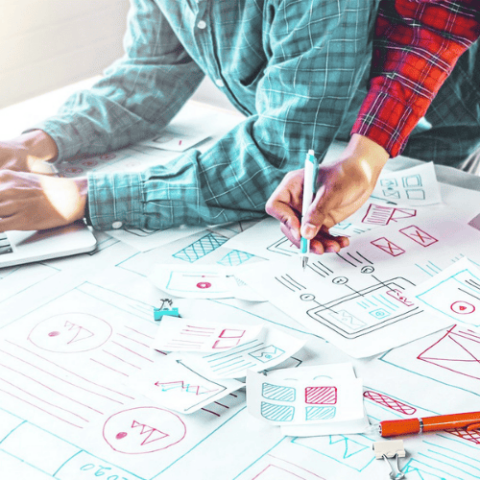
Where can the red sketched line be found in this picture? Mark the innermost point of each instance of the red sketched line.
(59, 378)
(140, 333)
(44, 401)
(76, 375)
(470, 436)
(122, 360)
(36, 406)
(110, 368)
(51, 389)
(389, 402)
(133, 340)
(132, 351)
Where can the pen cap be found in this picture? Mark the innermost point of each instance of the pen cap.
(392, 428)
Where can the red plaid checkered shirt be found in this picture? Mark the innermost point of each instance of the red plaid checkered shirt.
(416, 46)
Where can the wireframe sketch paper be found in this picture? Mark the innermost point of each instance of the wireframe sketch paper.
(357, 298)
(452, 293)
(144, 240)
(269, 350)
(177, 138)
(201, 281)
(329, 397)
(178, 334)
(171, 384)
(414, 186)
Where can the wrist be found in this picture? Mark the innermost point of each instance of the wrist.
(367, 154)
(39, 147)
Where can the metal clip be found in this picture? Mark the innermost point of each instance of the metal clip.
(391, 449)
(165, 309)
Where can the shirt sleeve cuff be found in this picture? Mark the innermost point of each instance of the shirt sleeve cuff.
(115, 200)
(387, 121)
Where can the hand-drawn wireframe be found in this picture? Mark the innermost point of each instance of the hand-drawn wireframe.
(271, 467)
(457, 296)
(472, 436)
(415, 194)
(321, 395)
(457, 350)
(382, 215)
(412, 181)
(355, 452)
(235, 258)
(384, 301)
(319, 413)
(418, 235)
(389, 402)
(277, 413)
(143, 430)
(283, 246)
(71, 333)
(388, 246)
(267, 353)
(278, 392)
(201, 247)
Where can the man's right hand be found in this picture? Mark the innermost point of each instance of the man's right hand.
(29, 152)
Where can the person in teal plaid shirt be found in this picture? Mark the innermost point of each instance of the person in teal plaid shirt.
(301, 72)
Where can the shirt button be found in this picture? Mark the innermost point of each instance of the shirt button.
(219, 83)
(116, 225)
(202, 24)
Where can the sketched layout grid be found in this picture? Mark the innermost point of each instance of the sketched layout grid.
(201, 247)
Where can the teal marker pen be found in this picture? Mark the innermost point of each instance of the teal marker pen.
(309, 180)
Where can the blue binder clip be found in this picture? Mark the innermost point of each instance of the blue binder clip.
(165, 309)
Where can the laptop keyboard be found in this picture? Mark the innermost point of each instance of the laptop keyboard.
(5, 246)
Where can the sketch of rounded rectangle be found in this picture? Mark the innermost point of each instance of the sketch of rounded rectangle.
(225, 343)
(412, 181)
(388, 182)
(415, 194)
(283, 247)
(232, 333)
(389, 193)
(321, 395)
(279, 393)
(277, 413)
(323, 313)
(313, 414)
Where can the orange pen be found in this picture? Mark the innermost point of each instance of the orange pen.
(392, 428)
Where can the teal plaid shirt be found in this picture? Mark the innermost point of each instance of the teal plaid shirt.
(292, 67)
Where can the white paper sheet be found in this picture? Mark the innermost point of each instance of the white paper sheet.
(270, 350)
(327, 398)
(144, 240)
(171, 384)
(189, 335)
(356, 299)
(413, 186)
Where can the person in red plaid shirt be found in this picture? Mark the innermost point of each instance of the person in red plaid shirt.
(416, 47)
(299, 71)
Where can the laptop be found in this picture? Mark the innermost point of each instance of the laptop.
(17, 247)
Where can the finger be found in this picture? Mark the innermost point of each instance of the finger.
(14, 222)
(7, 209)
(288, 233)
(287, 215)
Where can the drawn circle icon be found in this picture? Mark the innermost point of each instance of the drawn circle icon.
(307, 297)
(204, 285)
(367, 269)
(340, 280)
(70, 333)
(143, 430)
(461, 307)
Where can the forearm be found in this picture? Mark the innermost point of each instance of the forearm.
(416, 46)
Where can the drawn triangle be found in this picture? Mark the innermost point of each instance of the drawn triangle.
(453, 348)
